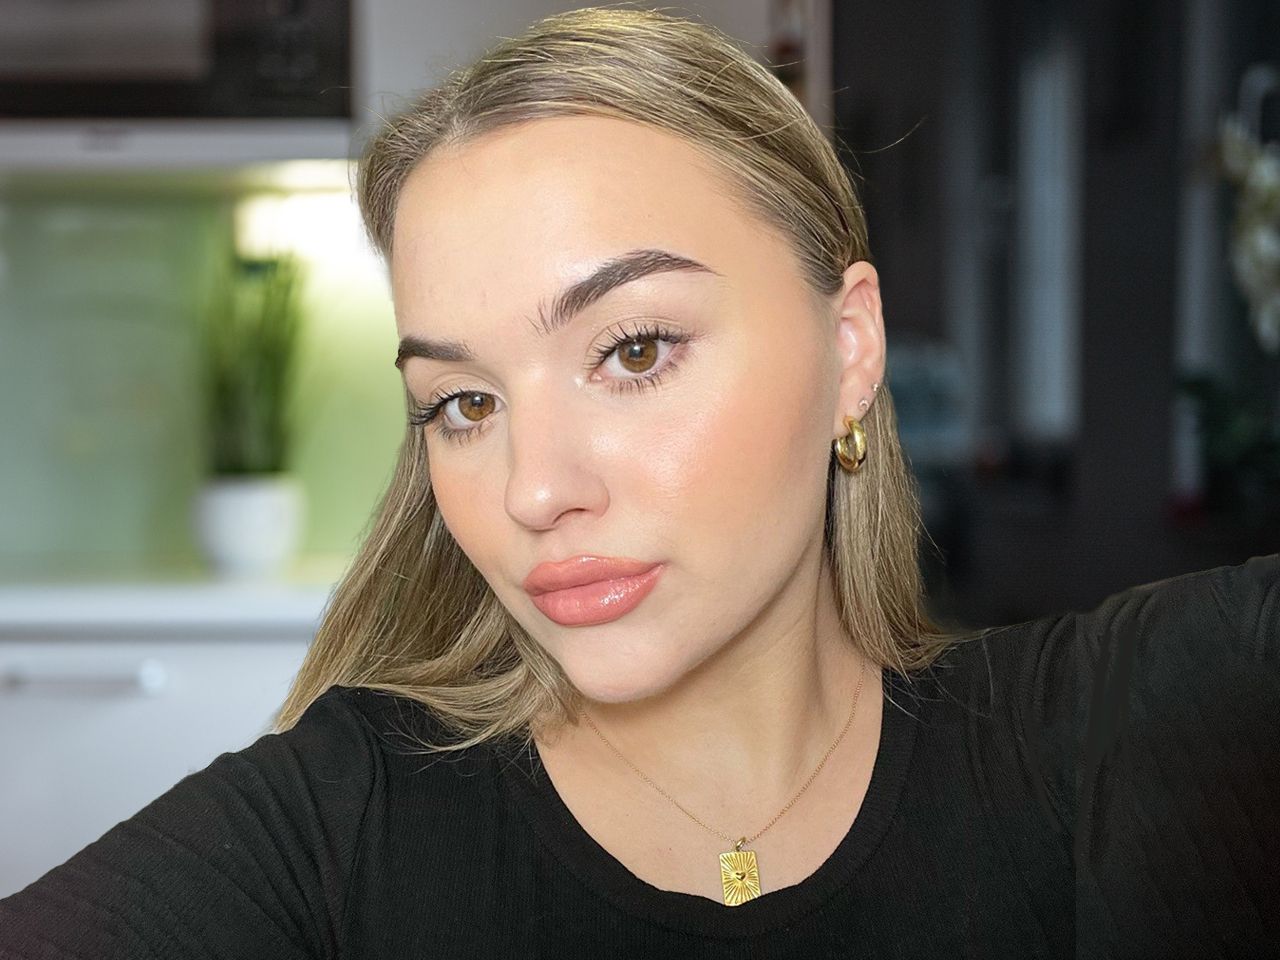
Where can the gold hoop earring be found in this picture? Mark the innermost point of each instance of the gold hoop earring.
(849, 459)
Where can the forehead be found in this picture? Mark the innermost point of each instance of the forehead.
(531, 207)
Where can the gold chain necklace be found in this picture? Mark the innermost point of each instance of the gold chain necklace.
(739, 871)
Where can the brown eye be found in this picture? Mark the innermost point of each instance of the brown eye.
(639, 355)
(479, 404)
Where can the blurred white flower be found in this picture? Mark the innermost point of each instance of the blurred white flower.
(1262, 182)
(1263, 242)
(1238, 147)
(1254, 168)
(1255, 260)
(1266, 323)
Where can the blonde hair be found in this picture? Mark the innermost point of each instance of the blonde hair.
(412, 616)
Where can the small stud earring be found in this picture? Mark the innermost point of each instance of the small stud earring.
(864, 402)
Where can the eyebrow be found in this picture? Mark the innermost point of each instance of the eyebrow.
(568, 303)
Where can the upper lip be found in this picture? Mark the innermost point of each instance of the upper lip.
(585, 568)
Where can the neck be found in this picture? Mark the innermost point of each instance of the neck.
(740, 734)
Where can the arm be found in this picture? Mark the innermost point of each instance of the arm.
(246, 858)
(1178, 765)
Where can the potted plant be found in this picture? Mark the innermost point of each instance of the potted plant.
(1240, 447)
(1251, 163)
(1239, 418)
(249, 511)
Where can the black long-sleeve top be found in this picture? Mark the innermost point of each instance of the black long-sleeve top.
(1101, 783)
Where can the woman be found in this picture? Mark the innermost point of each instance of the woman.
(634, 658)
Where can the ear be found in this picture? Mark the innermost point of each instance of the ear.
(860, 343)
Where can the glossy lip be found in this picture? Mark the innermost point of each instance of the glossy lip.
(598, 602)
(581, 570)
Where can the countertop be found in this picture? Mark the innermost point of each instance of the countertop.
(161, 607)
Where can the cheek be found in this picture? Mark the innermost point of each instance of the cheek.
(466, 493)
(740, 464)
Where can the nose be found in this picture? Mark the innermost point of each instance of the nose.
(552, 468)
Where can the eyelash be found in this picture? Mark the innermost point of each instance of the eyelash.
(426, 414)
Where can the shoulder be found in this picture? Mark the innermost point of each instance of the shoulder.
(334, 724)
(410, 738)
(1194, 655)
(1236, 606)
(249, 856)
(1177, 764)
(324, 765)
(1142, 650)
(1200, 650)
(1147, 637)
(306, 788)
(1150, 720)
(329, 756)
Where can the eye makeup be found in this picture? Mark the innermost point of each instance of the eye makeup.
(429, 413)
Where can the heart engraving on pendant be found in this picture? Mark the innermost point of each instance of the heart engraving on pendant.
(740, 875)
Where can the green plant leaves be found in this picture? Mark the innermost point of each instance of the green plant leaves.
(249, 349)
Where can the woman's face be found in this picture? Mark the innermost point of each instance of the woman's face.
(682, 418)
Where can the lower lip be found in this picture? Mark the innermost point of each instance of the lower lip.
(598, 602)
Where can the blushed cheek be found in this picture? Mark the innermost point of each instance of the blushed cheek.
(728, 474)
(467, 502)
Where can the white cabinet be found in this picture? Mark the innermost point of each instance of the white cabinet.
(107, 705)
(43, 146)
(398, 47)
(403, 46)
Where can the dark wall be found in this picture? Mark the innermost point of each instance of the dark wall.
(888, 78)
(1031, 530)
(1131, 186)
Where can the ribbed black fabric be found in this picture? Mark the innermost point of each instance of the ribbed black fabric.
(1094, 784)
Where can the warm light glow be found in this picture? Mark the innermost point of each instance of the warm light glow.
(321, 226)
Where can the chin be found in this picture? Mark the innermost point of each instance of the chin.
(606, 680)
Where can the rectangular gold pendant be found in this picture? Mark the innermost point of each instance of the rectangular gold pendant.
(740, 875)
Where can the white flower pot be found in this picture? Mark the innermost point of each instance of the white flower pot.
(248, 526)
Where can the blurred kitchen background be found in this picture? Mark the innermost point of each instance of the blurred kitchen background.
(1074, 210)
